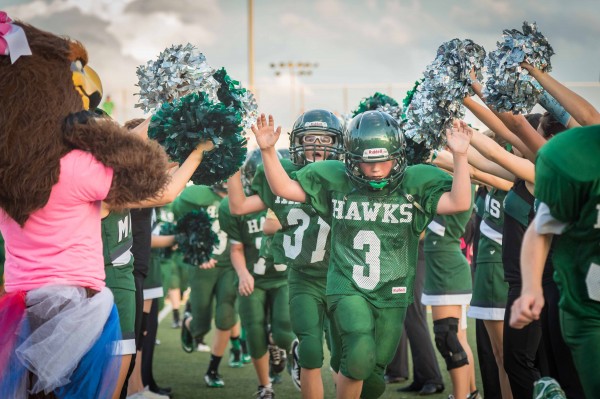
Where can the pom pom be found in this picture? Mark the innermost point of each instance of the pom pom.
(509, 87)
(180, 126)
(416, 153)
(231, 93)
(178, 70)
(437, 101)
(195, 238)
(376, 101)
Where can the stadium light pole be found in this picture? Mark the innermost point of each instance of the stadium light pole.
(294, 69)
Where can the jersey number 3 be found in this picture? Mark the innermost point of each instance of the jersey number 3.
(370, 280)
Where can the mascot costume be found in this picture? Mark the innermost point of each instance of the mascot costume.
(57, 162)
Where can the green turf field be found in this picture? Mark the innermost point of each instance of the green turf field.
(184, 373)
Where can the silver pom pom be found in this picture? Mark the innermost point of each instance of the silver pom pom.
(509, 87)
(438, 99)
(178, 70)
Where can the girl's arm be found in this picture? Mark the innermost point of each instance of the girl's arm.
(162, 241)
(444, 160)
(493, 122)
(579, 108)
(518, 125)
(520, 167)
(482, 163)
(281, 184)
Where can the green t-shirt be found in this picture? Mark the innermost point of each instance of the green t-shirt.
(567, 181)
(303, 241)
(248, 230)
(444, 232)
(195, 197)
(490, 240)
(375, 234)
(117, 239)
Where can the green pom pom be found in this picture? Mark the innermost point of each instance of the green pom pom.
(409, 96)
(181, 125)
(377, 100)
(230, 92)
(195, 238)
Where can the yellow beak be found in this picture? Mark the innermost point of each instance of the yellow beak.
(88, 84)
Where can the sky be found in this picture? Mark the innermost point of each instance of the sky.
(359, 46)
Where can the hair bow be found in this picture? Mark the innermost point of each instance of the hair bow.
(13, 41)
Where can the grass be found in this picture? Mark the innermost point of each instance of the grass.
(184, 373)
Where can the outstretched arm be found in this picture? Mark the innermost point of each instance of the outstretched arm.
(482, 163)
(518, 125)
(534, 252)
(579, 108)
(520, 167)
(459, 198)
(239, 204)
(281, 184)
(445, 161)
(493, 122)
(178, 179)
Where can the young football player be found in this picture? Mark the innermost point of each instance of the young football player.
(377, 208)
(303, 243)
(569, 190)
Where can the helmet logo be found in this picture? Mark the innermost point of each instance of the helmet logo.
(375, 153)
(316, 124)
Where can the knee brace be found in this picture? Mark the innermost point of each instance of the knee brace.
(446, 340)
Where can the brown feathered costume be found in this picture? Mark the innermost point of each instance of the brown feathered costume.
(41, 120)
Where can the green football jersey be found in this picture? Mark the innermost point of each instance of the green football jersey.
(490, 240)
(444, 232)
(375, 234)
(248, 230)
(196, 197)
(303, 241)
(117, 239)
(567, 181)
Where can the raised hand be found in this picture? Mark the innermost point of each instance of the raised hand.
(265, 132)
(459, 137)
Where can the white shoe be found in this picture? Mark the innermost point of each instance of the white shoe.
(295, 367)
(147, 394)
(202, 347)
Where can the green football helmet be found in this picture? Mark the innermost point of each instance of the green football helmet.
(316, 122)
(374, 136)
(248, 169)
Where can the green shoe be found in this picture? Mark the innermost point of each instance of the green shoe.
(235, 358)
(187, 341)
(214, 380)
(246, 358)
(548, 388)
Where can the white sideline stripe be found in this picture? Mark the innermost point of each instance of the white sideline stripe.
(164, 312)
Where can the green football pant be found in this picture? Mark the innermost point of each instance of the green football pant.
(364, 340)
(208, 286)
(582, 335)
(179, 276)
(308, 311)
(260, 308)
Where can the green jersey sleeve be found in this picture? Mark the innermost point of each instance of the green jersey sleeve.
(318, 180)
(229, 223)
(260, 185)
(426, 184)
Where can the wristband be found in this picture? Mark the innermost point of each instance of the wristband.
(552, 106)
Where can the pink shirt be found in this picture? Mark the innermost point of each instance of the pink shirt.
(61, 243)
